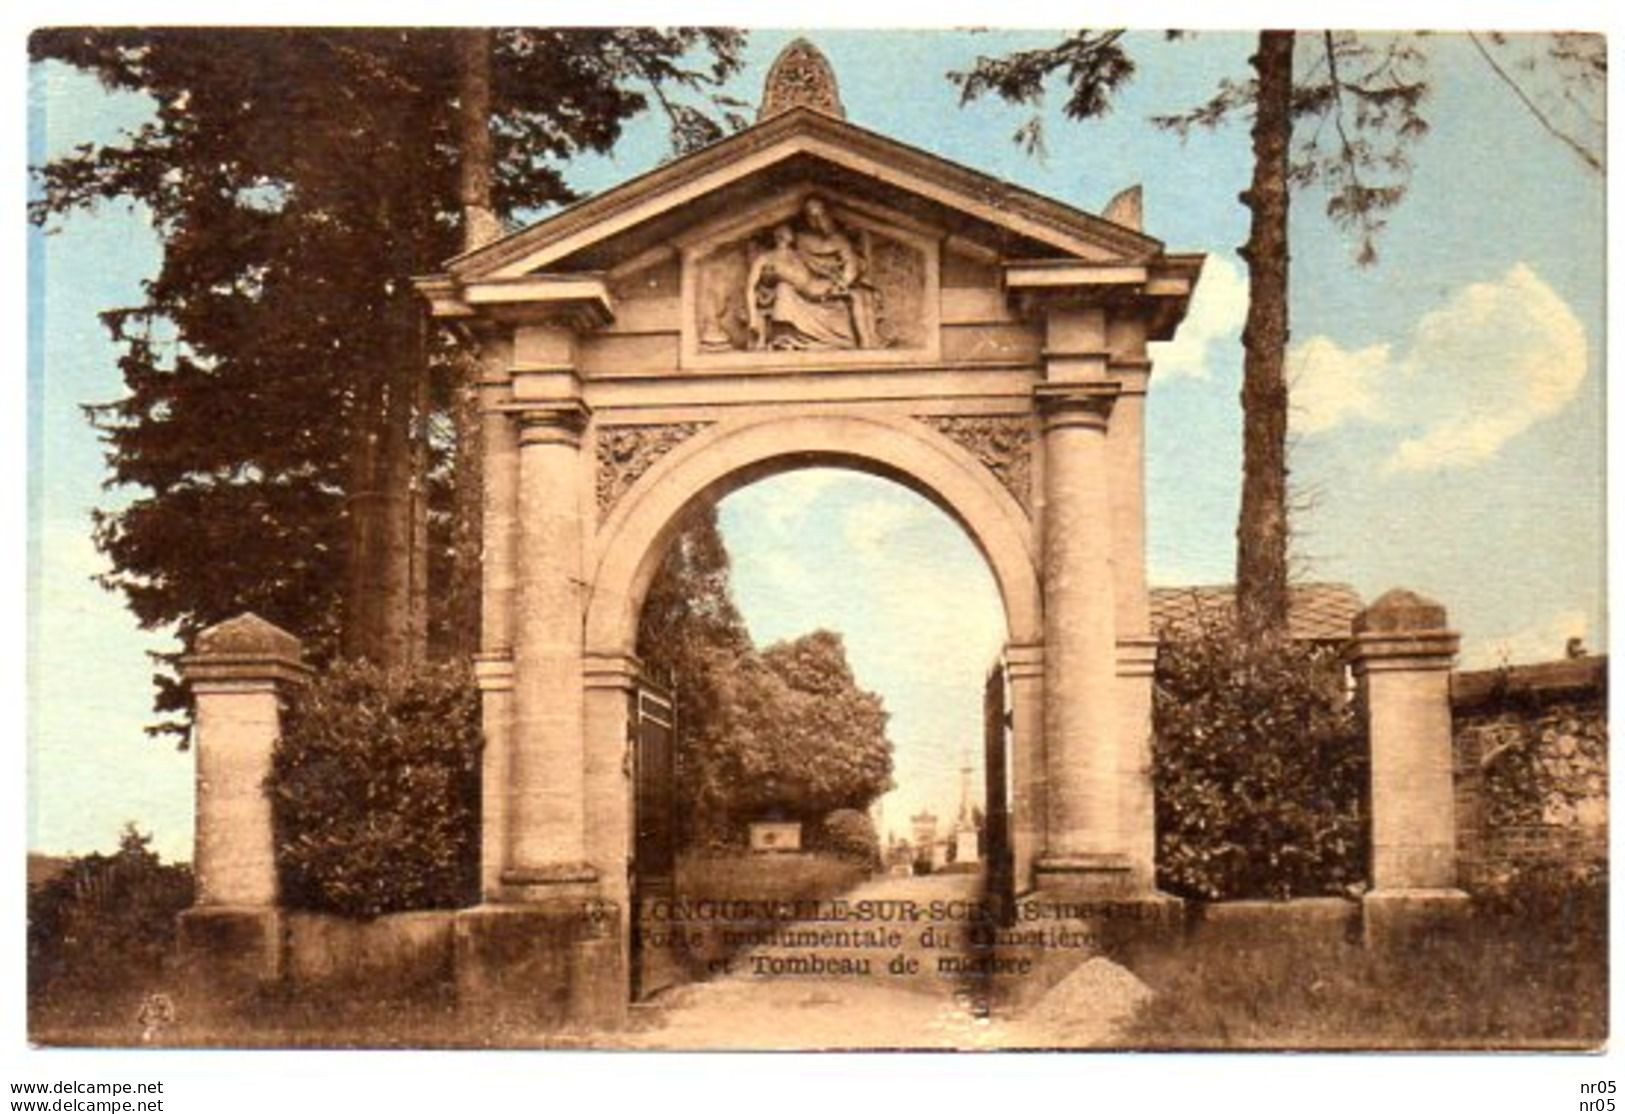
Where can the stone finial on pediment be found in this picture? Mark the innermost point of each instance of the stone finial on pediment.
(801, 77)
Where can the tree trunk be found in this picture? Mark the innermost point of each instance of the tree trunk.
(480, 227)
(398, 637)
(1261, 530)
(360, 634)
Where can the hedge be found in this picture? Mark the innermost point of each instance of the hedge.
(1260, 769)
(375, 791)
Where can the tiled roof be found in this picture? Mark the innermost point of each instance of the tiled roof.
(1318, 612)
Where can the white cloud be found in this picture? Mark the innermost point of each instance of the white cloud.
(1492, 361)
(1217, 312)
(872, 527)
(783, 499)
(1543, 641)
(1331, 385)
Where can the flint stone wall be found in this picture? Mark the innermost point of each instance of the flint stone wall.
(1531, 755)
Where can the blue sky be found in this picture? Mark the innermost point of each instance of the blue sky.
(1449, 420)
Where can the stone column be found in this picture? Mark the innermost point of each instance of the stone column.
(1083, 844)
(547, 771)
(237, 673)
(493, 665)
(1401, 654)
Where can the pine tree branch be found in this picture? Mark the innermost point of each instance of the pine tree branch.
(1563, 137)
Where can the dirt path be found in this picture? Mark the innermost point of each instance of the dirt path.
(854, 997)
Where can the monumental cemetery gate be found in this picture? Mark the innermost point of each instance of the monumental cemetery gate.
(803, 292)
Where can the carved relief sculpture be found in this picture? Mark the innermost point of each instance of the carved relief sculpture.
(812, 284)
(626, 452)
(1002, 444)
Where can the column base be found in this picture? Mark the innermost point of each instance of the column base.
(1086, 876)
(231, 950)
(557, 962)
(1401, 918)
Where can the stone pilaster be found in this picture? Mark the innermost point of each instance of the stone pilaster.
(1401, 655)
(546, 821)
(493, 672)
(611, 682)
(1028, 775)
(499, 434)
(1083, 847)
(1136, 797)
(237, 672)
(1136, 647)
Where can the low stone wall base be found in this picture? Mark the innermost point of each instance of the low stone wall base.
(230, 950)
(1325, 922)
(392, 954)
(555, 963)
(1400, 918)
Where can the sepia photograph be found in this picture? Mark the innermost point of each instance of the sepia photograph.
(739, 538)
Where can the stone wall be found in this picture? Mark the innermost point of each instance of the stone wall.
(1531, 754)
(394, 953)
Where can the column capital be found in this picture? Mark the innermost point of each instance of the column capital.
(552, 423)
(1086, 404)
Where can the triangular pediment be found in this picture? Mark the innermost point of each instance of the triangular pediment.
(802, 149)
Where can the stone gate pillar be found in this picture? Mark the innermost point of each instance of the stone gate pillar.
(1401, 654)
(237, 672)
(546, 946)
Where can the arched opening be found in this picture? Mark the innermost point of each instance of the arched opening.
(883, 550)
(712, 464)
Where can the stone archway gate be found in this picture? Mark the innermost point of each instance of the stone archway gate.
(802, 292)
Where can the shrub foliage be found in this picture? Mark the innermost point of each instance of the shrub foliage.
(1260, 769)
(376, 791)
(106, 919)
(850, 834)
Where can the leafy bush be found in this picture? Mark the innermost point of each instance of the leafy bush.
(791, 736)
(1260, 769)
(106, 919)
(850, 834)
(376, 790)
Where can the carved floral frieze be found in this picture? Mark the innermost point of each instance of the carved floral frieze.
(1004, 445)
(626, 452)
